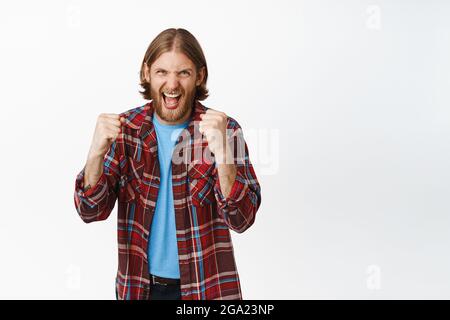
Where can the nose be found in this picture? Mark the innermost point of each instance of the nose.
(172, 82)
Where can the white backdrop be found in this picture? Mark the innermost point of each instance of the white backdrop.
(344, 104)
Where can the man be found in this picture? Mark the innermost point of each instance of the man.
(182, 176)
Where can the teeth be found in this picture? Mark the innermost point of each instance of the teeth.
(172, 95)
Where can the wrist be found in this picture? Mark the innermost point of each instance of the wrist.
(224, 156)
(226, 170)
(94, 156)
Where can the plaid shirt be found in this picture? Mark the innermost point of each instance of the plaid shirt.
(203, 216)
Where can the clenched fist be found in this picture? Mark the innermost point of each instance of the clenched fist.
(107, 129)
(213, 126)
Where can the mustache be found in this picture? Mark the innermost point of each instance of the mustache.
(172, 91)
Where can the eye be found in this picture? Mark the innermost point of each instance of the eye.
(161, 72)
(185, 73)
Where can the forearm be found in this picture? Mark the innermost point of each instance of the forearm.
(93, 169)
(227, 175)
(226, 170)
(237, 193)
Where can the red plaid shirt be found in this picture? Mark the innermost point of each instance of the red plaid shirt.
(203, 216)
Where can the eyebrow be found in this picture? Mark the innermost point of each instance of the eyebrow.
(162, 69)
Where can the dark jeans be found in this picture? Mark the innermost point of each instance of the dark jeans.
(168, 292)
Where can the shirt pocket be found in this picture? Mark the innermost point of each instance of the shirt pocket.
(201, 184)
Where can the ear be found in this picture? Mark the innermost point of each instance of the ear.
(200, 76)
(146, 72)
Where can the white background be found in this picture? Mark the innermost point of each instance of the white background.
(344, 104)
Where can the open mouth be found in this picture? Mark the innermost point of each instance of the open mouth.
(171, 101)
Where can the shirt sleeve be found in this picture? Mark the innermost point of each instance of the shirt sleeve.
(96, 203)
(239, 209)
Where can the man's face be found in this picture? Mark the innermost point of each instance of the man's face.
(173, 80)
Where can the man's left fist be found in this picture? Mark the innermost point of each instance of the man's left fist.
(214, 126)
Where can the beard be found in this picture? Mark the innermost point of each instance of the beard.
(185, 104)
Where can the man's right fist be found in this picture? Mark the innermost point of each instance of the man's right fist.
(107, 129)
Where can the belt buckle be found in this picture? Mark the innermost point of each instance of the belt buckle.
(156, 282)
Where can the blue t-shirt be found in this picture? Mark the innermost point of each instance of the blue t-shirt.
(162, 247)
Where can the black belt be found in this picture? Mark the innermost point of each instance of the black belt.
(163, 281)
